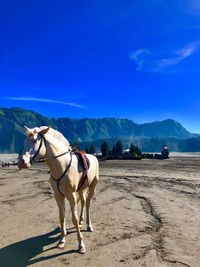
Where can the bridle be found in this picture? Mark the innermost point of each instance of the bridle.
(34, 160)
(71, 151)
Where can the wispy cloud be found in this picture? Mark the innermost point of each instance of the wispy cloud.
(148, 61)
(35, 99)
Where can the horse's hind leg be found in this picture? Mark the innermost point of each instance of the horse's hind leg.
(89, 197)
(61, 206)
(82, 195)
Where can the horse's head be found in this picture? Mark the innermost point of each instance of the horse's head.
(34, 146)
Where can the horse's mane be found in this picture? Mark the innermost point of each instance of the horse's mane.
(57, 135)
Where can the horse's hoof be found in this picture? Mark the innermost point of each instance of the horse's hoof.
(90, 229)
(82, 250)
(61, 245)
(80, 225)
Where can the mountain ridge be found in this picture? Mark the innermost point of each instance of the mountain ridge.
(84, 130)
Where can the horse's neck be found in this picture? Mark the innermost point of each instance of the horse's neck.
(57, 165)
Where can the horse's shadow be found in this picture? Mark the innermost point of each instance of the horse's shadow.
(22, 253)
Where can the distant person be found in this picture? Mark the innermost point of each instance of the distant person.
(165, 152)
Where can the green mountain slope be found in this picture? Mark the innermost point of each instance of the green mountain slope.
(86, 130)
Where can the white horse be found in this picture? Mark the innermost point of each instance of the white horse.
(66, 174)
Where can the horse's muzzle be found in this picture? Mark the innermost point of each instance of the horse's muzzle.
(23, 165)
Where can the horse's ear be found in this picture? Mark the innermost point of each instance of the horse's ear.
(44, 131)
(26, 129)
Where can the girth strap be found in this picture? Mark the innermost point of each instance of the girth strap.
(85, 165)
(60, 178)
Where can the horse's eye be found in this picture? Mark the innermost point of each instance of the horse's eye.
(31, 135)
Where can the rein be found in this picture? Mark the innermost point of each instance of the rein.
(54, 157)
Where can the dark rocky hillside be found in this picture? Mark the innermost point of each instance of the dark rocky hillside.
(148, 136)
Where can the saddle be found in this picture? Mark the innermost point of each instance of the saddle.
(85, 164)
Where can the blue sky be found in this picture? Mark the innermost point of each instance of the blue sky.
(128, 59)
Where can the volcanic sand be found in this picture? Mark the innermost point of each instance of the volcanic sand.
(144, 213)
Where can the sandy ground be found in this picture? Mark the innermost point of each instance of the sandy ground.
(11, 158)
(145, 213)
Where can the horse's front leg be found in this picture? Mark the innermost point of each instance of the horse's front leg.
(73, 204)
(61, 206)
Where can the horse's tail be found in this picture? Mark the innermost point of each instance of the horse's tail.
(97, 169)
